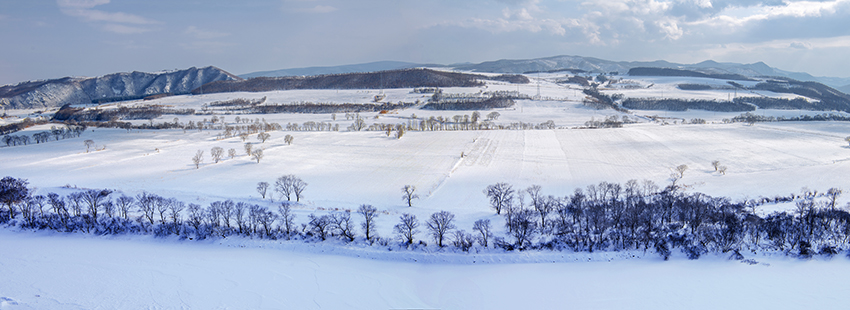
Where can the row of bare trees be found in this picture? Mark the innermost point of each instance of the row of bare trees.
(641, 215)
(638, 215)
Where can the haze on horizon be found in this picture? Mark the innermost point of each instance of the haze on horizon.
(45, 39)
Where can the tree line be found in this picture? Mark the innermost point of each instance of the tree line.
(638, 215)
(751, 118)
(55, 133)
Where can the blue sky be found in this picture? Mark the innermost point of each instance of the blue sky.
(44, 39)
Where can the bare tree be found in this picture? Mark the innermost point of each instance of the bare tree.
(440, 223)
(522, 227)
(196, 217)
(94, 200)
(369, 214)
(399, 132)
(30, 210)
(248, 148)
(216, 153)
(227, 210)
(263, 136)
(288, 139)
(359, 124)
(147, 205)
(320, 225)
(287, 218)
(265, 219)
(262, 188)
(124, 204)
(493, 116)
(174, 210)
(501, 196)
(198, 159)
(108, 208)
(257, 155)
(89, 144)
(58, 204)
(162, 206)
(283, 185)
(715, 164)
(832, 195)
(722, 170)
(342, 224)
(75, 200)
(407, 228)
(232, 153)
(298, 187)
(409, 195)
(12, 192)
(462, 240)
(482, 227)
(680, 169)
(678, 173)
(239, 215)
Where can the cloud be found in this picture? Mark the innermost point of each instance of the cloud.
(520, 19)
(670, 29)
(616, 22)
(117, 22)
(742, 16)
(800, 45)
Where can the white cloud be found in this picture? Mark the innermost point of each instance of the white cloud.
(800, 45)
(670, 29)
(740, 16)
(117, 22)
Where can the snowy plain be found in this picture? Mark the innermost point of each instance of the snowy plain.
(50, 271)
(345, 169)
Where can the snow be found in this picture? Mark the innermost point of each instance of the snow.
(346, 169)
(57, 271)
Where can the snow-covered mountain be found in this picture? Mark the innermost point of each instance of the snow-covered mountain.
(596, 65)
(589, 64)
(81, 90)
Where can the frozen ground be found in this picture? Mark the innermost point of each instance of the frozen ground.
(48, 271)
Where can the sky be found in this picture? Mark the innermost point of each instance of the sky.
(43, 39)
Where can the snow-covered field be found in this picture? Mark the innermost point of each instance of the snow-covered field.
(346, 169)
(49, 271)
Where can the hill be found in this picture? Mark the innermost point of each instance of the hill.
(596, 65)
(112, 87)
(404, 78)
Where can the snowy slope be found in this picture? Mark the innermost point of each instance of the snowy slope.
(45, 271)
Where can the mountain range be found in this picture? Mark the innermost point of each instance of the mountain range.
(138, 85)
(111, 87)
(556, 63)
